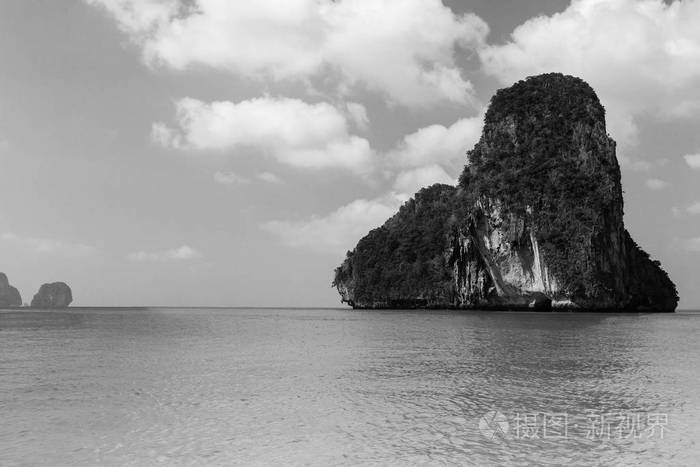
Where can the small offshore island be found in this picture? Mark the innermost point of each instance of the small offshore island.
(535, 222)
(50, 296)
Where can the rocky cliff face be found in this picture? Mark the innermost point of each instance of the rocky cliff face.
(9, 296)
(53, 295)
(535, 222)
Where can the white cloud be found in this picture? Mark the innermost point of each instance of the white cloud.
(656, 184)
(340, 230)
(229, 178)
(140, 16)
(268, 177)
(402, 49)
(232, 178)
(641, 56)
(164, 136)
(410, 181)
(358, 113)
(417, 161)
(437, 144)
(312, 136)
(693, 160)
(183, 253)
(694, 208)
(303, 135)
(637, 165)
(49, 246)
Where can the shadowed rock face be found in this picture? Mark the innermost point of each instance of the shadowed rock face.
(9, 296)
(536, 221)
(53, 295)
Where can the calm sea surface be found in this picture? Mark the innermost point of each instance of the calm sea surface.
(337, 387)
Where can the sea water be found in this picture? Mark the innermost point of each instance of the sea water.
(339, 387)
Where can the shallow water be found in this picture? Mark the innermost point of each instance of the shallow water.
(329, 387)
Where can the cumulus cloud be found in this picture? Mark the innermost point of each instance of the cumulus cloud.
(49, 246)
(638, 165)
(230, 178)
(268, 177)
(138, 17)
(312, 136)
(339, 230)
(433, 154)
(694, 208)
(656, 184)
(410, 181)
(401, 49)
(358, 113)
(437, 144)
(183, 253)
(165, 136)
(641, 56)
(693, 160)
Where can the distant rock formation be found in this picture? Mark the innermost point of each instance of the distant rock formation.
(9, 296)
(536, 221)
(53, 295)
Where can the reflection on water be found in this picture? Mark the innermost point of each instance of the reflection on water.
(263, 386)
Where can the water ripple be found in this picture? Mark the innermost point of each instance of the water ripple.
(331, 387)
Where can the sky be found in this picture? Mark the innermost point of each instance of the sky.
(224, 153)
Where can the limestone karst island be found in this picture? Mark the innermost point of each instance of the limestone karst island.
(535, 222)
(54, 295)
